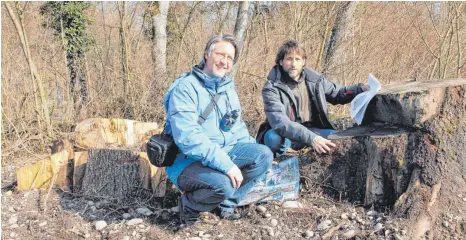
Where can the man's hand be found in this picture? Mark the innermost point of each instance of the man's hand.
(236, 176)
(322, 145)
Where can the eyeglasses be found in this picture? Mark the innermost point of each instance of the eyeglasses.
(224, 56)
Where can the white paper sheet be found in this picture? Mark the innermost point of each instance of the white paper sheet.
(360, 102)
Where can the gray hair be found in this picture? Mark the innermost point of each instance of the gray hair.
(210, 46)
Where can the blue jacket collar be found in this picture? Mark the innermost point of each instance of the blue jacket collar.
(216, 84)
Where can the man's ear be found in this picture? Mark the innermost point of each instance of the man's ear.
(304, 62)
(206, 56)
(281, 63)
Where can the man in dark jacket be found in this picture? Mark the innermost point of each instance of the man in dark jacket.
(295, 101)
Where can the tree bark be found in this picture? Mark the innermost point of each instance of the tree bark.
(124, 49)
(111, 174)
(159, 51)
(344, 15)
(242, 21)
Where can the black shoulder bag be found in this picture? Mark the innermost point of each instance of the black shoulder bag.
(161, 148)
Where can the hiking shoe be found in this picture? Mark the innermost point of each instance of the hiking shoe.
(230, 216)
(188, 219)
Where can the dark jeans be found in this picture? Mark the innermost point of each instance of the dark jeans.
(205, 188)
(278, 144)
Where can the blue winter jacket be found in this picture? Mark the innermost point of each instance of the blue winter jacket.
(184, 102)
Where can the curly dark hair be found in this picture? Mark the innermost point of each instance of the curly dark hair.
(289, 47)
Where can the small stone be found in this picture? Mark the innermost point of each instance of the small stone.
(175, 209)
(42, 223)
(276, 207)
(370, 217)
(464, 199)
(274, 222)
(87, 235)
(200, 233)
(126, 238)
(387, 233)
(324, 225)
(144, 211)
(141, 226)
(446, 224)
(359, 220)
(11, 209)
(14, 226)
(344, 216)
(398, 237)
(349, 234)
(13, 219)
(353, 215)
(378, 226)
(93, 208)
(205, 236)
(220, 236)
(372, 213)
(292, 204)
(267, 215)
(8, 193)
(403, 232)
(13, 234)
(90, 203)
(134, 221)
(126, 215)
(261, 209)
(195, 238)
(308, 234)
(270, 231)
(100, 225)
(379, 219)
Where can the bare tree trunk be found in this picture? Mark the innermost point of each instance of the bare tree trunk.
(42, 106)
(124, 49)
(344, 14)
(159, 51)
(241, 25)
(62, 35)
(227, 16)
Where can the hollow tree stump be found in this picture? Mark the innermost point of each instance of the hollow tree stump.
(409, 153)
(112, 174)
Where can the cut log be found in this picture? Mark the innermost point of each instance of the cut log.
(103, 133)
(41, 173)
(79, 169)
(119, 175)
(409, 154)
(65, 174)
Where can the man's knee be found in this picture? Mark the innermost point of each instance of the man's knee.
(265, 156)
(272, 140)
(223, 189)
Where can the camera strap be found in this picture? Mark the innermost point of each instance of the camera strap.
(208, 109)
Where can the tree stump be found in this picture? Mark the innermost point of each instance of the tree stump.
(409, 153)
(112, 174)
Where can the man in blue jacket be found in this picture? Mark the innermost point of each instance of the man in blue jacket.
(295, 102)
(219, 162)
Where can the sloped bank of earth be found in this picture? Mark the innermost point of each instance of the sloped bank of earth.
(56, 215)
